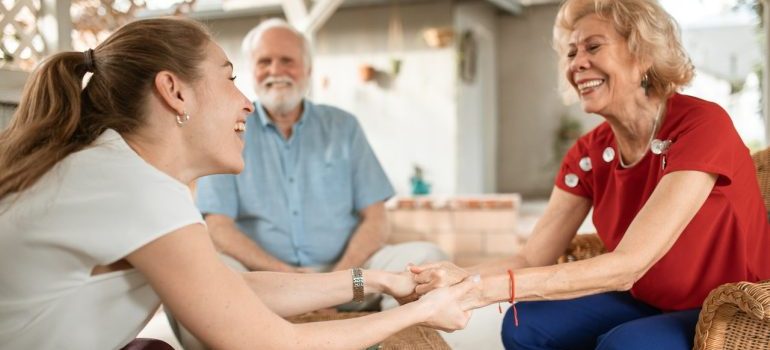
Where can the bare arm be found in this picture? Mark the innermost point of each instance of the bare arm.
(657, 226)
(217, 305)
(369, 237)
(231, 241)
(550, 238)
(289, 293)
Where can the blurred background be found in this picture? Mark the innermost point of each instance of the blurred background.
(466, 90)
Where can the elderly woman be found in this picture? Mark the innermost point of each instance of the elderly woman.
(97, 226)
(672, 188)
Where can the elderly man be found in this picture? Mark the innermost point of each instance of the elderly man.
(311, 195)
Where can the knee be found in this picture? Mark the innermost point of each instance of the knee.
(517, 337)
(422, 252)
(396, 257)
(622, 337)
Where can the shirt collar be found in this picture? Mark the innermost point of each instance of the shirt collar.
(265, 120)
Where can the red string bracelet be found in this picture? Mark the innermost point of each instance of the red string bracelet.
(512, 287)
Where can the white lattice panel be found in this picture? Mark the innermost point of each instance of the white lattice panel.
(22, 45)
(94, 20)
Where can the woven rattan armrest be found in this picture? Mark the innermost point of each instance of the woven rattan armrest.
(583, 246)
(735, 316)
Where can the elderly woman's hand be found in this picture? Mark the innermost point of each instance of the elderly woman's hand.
(436, 275)
(449, 308)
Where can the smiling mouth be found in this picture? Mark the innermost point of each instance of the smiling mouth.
(590, 84)
(240, 127)
(278, 84)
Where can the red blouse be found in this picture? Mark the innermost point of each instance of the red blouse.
(727, 239)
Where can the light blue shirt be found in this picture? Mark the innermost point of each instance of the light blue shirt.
(299, 198)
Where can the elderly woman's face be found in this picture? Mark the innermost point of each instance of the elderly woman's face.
(601, 68)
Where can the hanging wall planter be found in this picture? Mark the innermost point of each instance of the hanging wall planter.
(366, 72)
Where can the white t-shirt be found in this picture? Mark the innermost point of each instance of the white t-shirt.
(93, 208)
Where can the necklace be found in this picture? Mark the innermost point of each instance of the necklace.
(649, 143)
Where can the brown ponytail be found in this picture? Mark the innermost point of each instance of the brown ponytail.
(56, 117)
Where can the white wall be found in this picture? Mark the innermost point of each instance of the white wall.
(409, 118)
(530, 104)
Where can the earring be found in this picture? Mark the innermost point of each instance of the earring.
(645, 81)
(181, 119)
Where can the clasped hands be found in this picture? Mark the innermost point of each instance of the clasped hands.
(450, 290)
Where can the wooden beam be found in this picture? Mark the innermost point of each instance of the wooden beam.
(297, 14)
(295, 11)
(512, 6)
(320, 14)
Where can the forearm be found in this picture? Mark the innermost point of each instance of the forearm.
(235, 244)
(498, 267)
(358, 333)
(603, 273)
(369, 237)
(291, 293)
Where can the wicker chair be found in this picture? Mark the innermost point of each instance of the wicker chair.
(735, 316)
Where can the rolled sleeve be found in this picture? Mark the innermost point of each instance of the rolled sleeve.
(217, 194)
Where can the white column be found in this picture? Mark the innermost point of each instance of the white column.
(56, 25)
(477, 107)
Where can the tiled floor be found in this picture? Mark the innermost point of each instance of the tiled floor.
(483, 330)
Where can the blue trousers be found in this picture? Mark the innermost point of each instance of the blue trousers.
(603, 321)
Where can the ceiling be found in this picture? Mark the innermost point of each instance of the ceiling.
(217, 9)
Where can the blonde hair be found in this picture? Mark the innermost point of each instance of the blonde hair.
(57, 117)
(651, 33)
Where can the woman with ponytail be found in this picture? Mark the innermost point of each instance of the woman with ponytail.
(97, 226)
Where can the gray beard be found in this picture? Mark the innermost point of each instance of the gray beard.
(282, 106)
(284, 103)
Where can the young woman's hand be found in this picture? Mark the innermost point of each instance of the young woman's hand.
(400, 286)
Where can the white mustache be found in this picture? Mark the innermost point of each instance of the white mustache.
(279, 80)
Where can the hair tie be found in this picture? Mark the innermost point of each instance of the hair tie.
(90, 67)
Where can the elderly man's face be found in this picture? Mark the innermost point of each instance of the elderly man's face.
(280, 72)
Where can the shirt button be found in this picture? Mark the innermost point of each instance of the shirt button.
(609, 154)
(291, 180)
(585, 164)
(295, 213)
(571, 180)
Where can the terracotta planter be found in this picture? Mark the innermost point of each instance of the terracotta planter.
(366, 72)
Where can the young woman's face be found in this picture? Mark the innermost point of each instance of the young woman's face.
(218, 121)
(601, 68)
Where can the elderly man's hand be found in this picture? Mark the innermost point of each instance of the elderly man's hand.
(436, 275)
